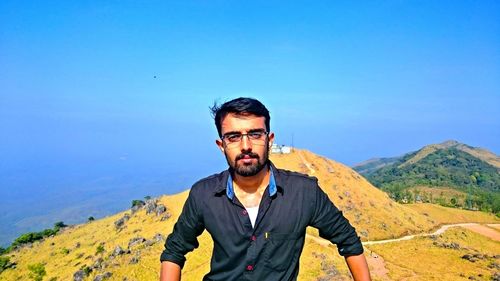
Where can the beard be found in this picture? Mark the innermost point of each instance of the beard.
(249, 170)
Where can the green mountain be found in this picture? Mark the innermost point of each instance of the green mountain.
(474, 171)
(449, 164)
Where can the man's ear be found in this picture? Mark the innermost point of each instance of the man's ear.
(219, 143)
(271, 139)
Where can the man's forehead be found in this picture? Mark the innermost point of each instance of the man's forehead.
(238, 122)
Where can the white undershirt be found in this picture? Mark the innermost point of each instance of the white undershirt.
(252, 214)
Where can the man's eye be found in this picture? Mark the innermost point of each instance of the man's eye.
(233, 137)
(255, 135)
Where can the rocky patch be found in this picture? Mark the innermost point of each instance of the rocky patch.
(120, 223)
(101, 277)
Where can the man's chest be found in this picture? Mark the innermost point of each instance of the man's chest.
(229, 218)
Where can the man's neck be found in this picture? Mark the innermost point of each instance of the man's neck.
(254, 183)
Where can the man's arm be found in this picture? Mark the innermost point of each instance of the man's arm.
(335, 227)
(358, 267)
(170, 271)
(182, 240)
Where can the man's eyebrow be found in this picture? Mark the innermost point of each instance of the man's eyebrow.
(256, 130)
(249, 131)
(231, 133)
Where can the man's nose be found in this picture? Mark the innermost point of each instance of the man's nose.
(245, 144)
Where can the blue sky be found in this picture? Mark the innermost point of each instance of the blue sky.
(349, 80)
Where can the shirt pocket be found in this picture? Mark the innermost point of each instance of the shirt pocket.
(281, 249)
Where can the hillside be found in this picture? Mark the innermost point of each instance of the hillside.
(473, 172)
(126, 246)
(369, 209)
(443, 167)
(372, 165)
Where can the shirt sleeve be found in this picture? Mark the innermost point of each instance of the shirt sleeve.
(183, 238)
(333, 226)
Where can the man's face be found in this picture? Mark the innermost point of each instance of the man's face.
(249, 155)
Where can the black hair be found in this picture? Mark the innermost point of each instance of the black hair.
(239, 106)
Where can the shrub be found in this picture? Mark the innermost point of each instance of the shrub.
(5, 263)
(87, 270)
(37, 271)
(31, 237)
(100, 249)
(137, 203)
(26, 238)
(58, 225)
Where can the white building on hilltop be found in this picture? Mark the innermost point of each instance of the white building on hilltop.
(280, 149)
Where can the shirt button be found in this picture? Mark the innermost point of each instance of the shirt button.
(249, 267)
(253, 238)
(244, 212)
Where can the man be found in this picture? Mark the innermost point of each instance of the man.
(256, 214)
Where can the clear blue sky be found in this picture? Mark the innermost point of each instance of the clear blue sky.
(349, 80)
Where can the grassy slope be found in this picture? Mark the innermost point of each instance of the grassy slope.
(425, 258)
(367, 208)
(443, 215)
(90, 235)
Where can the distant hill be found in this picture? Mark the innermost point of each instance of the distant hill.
(450, 164)
(371, 165)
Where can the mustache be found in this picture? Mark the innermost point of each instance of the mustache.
(250, 154)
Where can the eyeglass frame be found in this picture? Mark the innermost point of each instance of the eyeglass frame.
(263, 131)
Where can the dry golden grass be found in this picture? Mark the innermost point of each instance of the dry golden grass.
(370, 210)
(436, 192)
(444, 215)
(89, 236)
(427, 258)
(483, 154)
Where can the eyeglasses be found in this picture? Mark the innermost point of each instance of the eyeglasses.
(256, 137)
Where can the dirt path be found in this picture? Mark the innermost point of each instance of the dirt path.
(377, 266)
(485, 230)
(489, 231)
(308, 165)
(495, 226)
(377, 263)
(476, 227)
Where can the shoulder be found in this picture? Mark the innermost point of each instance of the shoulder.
(211, 183)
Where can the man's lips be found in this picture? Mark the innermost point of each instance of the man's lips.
(247, 157)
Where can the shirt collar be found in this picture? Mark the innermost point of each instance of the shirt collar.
(272, 185)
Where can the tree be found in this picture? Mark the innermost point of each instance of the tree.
(58, 225)
(91, 219)
(454, 201)
(137, 203)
